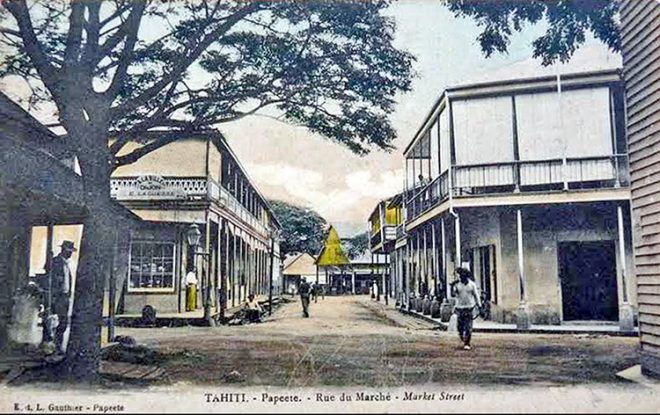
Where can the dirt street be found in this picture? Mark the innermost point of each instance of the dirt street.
(354, 341)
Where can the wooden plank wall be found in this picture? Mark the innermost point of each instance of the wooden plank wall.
(640, 20)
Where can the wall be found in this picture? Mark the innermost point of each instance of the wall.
(183, 158)
(133, 302)
(543, 229)
(640, 30)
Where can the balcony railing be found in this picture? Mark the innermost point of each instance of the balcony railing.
(233, 205)
(152, 187)
(523, 176)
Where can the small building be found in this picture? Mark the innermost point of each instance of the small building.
(332, 263)
(41, 204)
(193, 183)
(297, 267)
(525, 182)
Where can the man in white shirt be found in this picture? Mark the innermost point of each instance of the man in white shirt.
(467, 298)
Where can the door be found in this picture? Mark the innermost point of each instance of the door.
(587, 271)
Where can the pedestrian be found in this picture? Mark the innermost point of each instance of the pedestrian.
(305, 291)
(62, 280)
(467, 298)
(190, 282)
(252, 309)
(315, 291)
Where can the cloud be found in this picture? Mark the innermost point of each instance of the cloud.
(351, 201)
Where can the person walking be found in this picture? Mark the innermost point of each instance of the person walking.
(467, 298)
(305, 291)
(62, 280)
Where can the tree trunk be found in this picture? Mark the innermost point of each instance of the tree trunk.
(83, 350)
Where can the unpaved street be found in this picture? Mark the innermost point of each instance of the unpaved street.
(355, 341)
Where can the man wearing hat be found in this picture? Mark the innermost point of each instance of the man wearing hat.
(61, 289)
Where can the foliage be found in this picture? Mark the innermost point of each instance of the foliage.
(356, 245)
(568, 22)
(303, 230)
(190, 65)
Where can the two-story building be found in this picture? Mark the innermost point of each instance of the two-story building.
(525, 182)
(194, 182)
(386, 242)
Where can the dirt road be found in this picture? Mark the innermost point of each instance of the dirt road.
(354, 341)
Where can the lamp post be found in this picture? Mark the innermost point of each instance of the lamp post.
(193, 236)
(274, 235)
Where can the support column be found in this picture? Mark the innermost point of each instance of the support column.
(522, 314)
(353, 284)
(457, 240)
(434, 274)
(626, 316)
(426, 264)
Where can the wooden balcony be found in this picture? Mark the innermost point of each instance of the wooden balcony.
(157, 188)
(522, 176)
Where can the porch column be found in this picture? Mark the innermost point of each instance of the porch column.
(626, 318)
(418, 264)
(426, 264)
(445, 307)
(457, 241)
(385, 272)
(233, 269)
(522, 314)
(434, 274)
(353, 278)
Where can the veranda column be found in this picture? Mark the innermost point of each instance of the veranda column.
(445, 307)
(434, 272)
(426, 264)
(353, 284)
(626, 318)
(522, 314)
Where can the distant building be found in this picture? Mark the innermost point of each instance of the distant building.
(296, 267)
(193, 181)
(524, 181)
(386, 243)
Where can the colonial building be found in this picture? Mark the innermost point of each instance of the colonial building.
(640, 29)
(188, 186)
(386, 243)
(524, 181)
(41, 204)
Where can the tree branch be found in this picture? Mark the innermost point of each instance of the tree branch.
(31, 44)
(161, 139)
(74, 37)
(133, 25)
(182, 65)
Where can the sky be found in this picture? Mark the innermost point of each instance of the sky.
(291, 164)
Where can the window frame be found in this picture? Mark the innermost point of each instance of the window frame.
(163, 290)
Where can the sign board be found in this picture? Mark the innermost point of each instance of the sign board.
(150, 187)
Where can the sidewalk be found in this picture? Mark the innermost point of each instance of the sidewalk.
(485, 326)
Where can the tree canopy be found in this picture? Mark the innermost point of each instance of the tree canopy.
(303, 230)
(356, 245)
(189, 65)
(568, 23)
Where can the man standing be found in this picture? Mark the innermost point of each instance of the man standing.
(61, 290)
(305, 291)
(190, 282)
(467, 297)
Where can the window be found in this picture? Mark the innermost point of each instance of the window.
(482, 263)
(151, 266)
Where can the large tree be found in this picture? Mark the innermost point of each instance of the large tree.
(357, 245)
(151, 71)
(303, 230)
(568, 22)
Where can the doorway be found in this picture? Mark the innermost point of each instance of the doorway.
(587, 271)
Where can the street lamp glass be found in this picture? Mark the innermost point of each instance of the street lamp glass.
(193, 235)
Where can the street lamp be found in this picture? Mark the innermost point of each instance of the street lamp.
(274, 236)
(193, 236)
